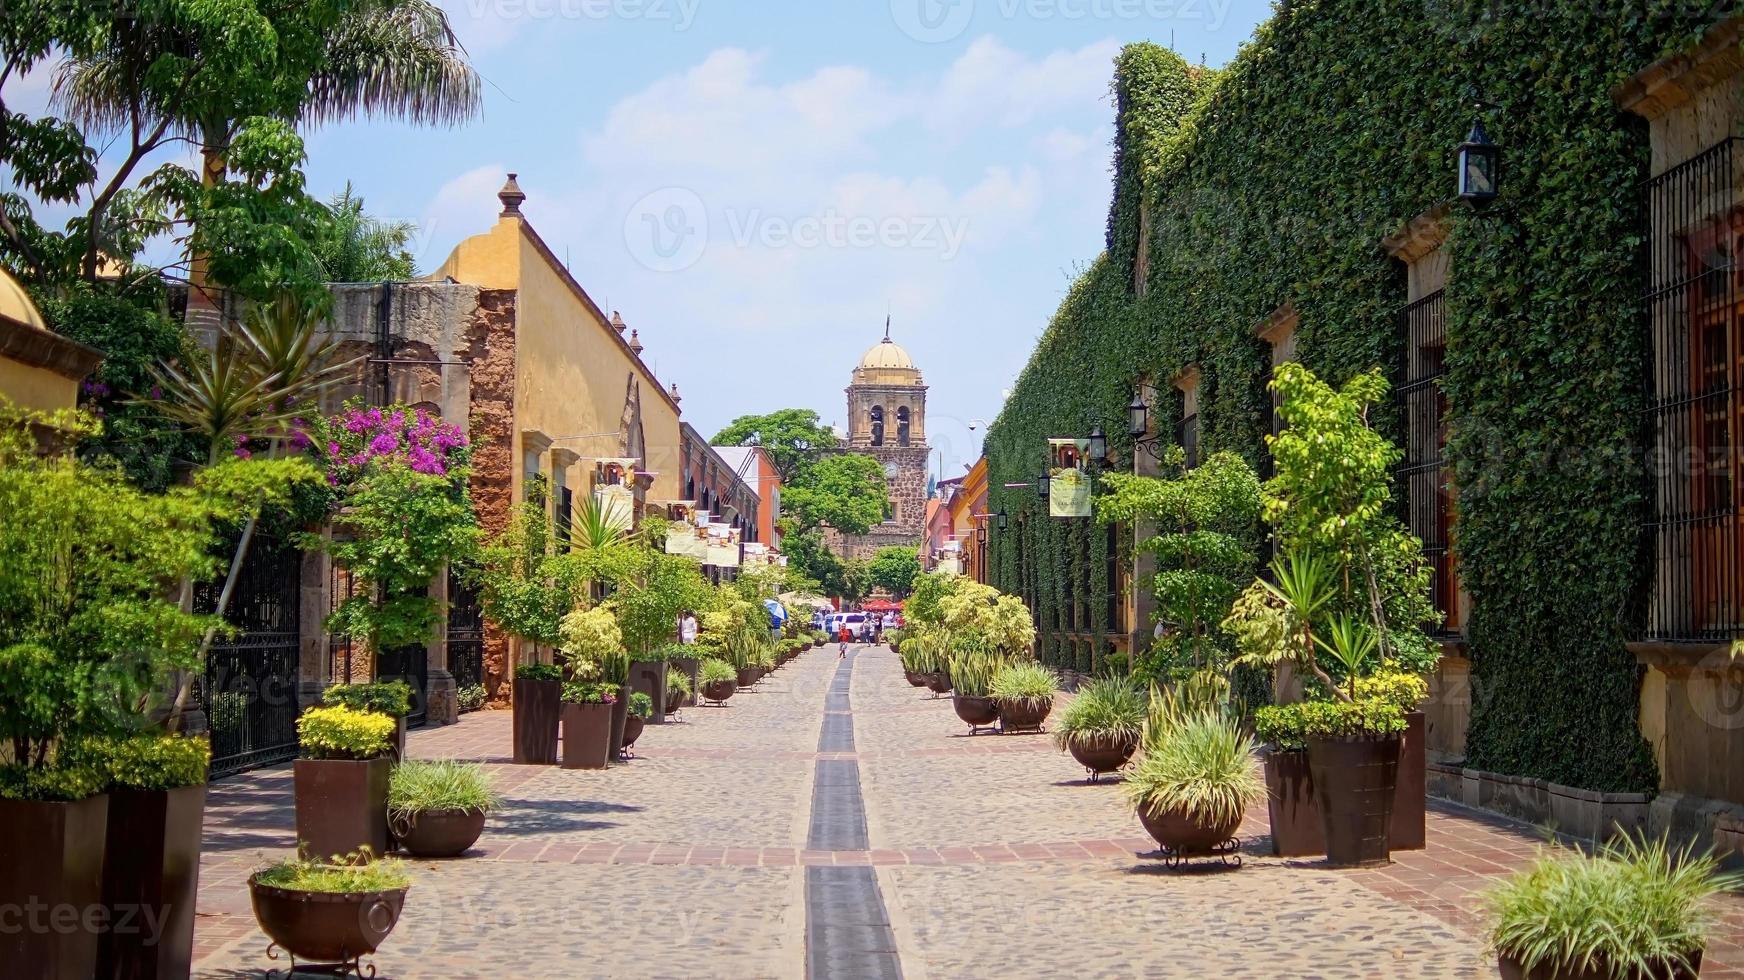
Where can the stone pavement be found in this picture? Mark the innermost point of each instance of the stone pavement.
(838, 822)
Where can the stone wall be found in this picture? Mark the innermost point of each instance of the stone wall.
(908, 500)
(491, 353)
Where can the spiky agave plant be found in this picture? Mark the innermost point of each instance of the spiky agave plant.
(1202, 769)
(973, 662)
(1636, 908)
(1106, 709)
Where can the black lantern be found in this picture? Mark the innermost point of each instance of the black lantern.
(1137, 416)
(1001, 518)
(981, 534)
(1479, 160)
(1098, 444)
(1043, 484)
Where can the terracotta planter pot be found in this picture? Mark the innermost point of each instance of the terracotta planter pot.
(718, 691)
(747, 676)
(51, 854)
(938, 681)
(1512, 970)
(151, 860)
(633, 726)
(587, 734)
(1105, 753)
(536, 713)
(1354, 784)
(1184, 835)
(322, 927)
(975, 712)
(1022, 716)
(440, 833)
(342, 806)
(914, 679)
(1290, 805)
(649, 677)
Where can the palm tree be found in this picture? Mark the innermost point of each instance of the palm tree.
(362, 248)
(393, 58)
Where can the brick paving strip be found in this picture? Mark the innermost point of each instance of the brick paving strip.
(847, 929)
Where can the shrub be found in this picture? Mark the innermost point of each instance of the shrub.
(589, 692)
(444, 784)
(157, 762)
(342, 733)
(1290, 726)
(1203, 769)
(1108, 708)
(471, 697)
(539, 672)
(391, 698)
(641, 705)
(1634, 909)
(713, 670)
(972, 669)
(1023, 681)
(356, 874)
(591, 635)
(63, 780)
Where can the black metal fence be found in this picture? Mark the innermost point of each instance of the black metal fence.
(410, 663)
(1695, 231)
(465, 633)
(249, 690)
(1423, 474)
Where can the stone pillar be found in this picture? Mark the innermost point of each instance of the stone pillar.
(315, 654)
(441, 700)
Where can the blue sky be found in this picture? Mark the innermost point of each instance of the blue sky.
(754, 185)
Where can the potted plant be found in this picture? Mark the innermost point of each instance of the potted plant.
(537, 692)
(329, 916)
(342, 781)
(1193, 784)
(1353, 761)
(391, 698)
(894, 638)
(649, 674)
(437, 809)
(151, 857)
(1102, 724)
(678, 692)
(1633, 911)
(914, 662)
(972, 669)
(587, 724)
(641, 707)
(1291, 809)
(719, 680)
(1024, 692)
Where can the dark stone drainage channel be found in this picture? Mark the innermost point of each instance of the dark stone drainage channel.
(847, 930)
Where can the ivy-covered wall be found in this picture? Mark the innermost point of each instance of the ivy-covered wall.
(1275, 180)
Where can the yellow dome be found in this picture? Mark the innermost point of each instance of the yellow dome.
(887, 354)
(15, 304)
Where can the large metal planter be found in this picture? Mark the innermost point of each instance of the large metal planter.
(938, 681)
(51, 856)
(587, 736)
(1355, 780)
(342, 806)
(1024, 714)
(1290, 805)
(440, 833)
(536, 712)
(323, 927)
(1104, 753)
(719, 691)
(977, 713)
(151, 860)
(1185, 836)
(1512, 970)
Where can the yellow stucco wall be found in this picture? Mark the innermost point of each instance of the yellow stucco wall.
(37, 389)
(572, 369)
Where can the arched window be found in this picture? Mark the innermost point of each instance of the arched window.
(877, 425)
(690, 488)
(902, 426)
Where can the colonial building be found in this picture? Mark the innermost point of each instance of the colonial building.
(40, 370)
(757, 472)
(887, 421)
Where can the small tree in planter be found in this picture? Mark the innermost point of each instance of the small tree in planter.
(438, 809)
(342, 782)
(327, 917)
(651, 589)
(593, 649)
(1193, 784)
(1633, 911)
(1102, 725)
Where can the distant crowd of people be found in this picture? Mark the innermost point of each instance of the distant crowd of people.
(851, 627)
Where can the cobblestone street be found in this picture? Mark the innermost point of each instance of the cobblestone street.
(839, 822)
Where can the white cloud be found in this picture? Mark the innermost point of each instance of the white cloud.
(991, 83)
(466, 205)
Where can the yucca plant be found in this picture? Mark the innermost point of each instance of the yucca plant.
(1109, 709)
(1636, 908)
(973, 664)
(1202, 769)
(1023, 680)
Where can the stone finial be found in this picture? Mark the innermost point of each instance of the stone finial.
(617, 323)
(635, 343)
(512, 196)
(676, 397)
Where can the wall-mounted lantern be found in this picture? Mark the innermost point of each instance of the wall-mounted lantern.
(1479, 166)
(1043, 483)
(1098, 444)
(1137, 416)
(1000, 517)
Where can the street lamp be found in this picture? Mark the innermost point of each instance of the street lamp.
(1137, 415)
(1001, 518)
(1479, 160)
(980, 534)
(1043, 483)
(1098, 444)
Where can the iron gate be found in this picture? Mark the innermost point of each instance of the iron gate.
(249, 690)
(465, 633)
(409, 663)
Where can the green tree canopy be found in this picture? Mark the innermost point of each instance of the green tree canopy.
(893, 569)
(845, 491)
(794, 438)
(356, 247)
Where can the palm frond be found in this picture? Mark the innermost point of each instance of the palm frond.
(396, 58)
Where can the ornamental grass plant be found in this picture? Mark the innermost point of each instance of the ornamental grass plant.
(1202, 769)
(1634, 908)
(356, 875)
(712, 670)
(1025, 681)
(426, 786)
(1108, 709)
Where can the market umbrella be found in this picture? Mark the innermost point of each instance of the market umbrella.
(777, 614)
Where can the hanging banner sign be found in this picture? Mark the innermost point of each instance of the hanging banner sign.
(1068, 478)
(682, 537)
(723, 546)
(616, 492)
